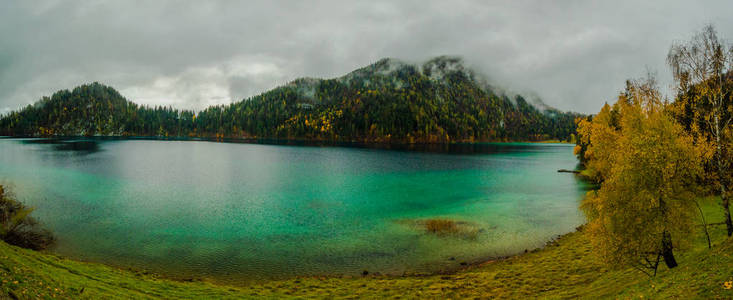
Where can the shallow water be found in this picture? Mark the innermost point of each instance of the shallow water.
(249, 211)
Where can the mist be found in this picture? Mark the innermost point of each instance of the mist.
(574, 55)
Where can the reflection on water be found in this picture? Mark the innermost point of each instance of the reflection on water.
(81, 146)
(90, 144)
(242, 210)
(457, 148)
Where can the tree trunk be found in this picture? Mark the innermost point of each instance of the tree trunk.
(704, 224)
(721, 177)
(726, 210)
(667, 252)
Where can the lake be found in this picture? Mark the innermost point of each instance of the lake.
(238, 211)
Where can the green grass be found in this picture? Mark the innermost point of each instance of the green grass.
(565, 268)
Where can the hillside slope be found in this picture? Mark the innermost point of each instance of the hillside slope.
(439, 101)
(565, 268)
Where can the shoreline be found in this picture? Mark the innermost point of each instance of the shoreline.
(466, 148)
(245, 282)
(265, 140)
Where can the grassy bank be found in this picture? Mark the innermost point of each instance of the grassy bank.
(565, 268)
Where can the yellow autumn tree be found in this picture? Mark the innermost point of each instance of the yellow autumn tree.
(599, 136)
(645, 206)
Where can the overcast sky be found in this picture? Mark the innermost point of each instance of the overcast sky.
(190, 54)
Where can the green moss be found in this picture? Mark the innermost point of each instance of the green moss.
(563, 269)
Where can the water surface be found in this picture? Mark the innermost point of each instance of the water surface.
(251, 211)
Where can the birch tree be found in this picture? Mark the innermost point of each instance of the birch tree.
(704, 81)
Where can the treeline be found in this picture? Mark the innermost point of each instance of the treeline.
(438, 102)
(654, 159)
(95, 110)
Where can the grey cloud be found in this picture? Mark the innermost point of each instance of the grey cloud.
(573, 54)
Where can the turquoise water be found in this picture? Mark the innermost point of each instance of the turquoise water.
(252, 211)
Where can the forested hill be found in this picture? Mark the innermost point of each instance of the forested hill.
(388, 101)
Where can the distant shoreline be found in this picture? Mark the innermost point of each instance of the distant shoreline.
(460, 147)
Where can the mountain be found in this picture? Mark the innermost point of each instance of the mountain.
(438, 101)
(95, 110)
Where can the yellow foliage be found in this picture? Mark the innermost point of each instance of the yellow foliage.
(601, 136)
(649, 168)
(576, 149)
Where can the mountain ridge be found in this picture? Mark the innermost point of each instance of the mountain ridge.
(438, 101)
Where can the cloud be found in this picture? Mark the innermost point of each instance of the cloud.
(197, 87)
(191, 54)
